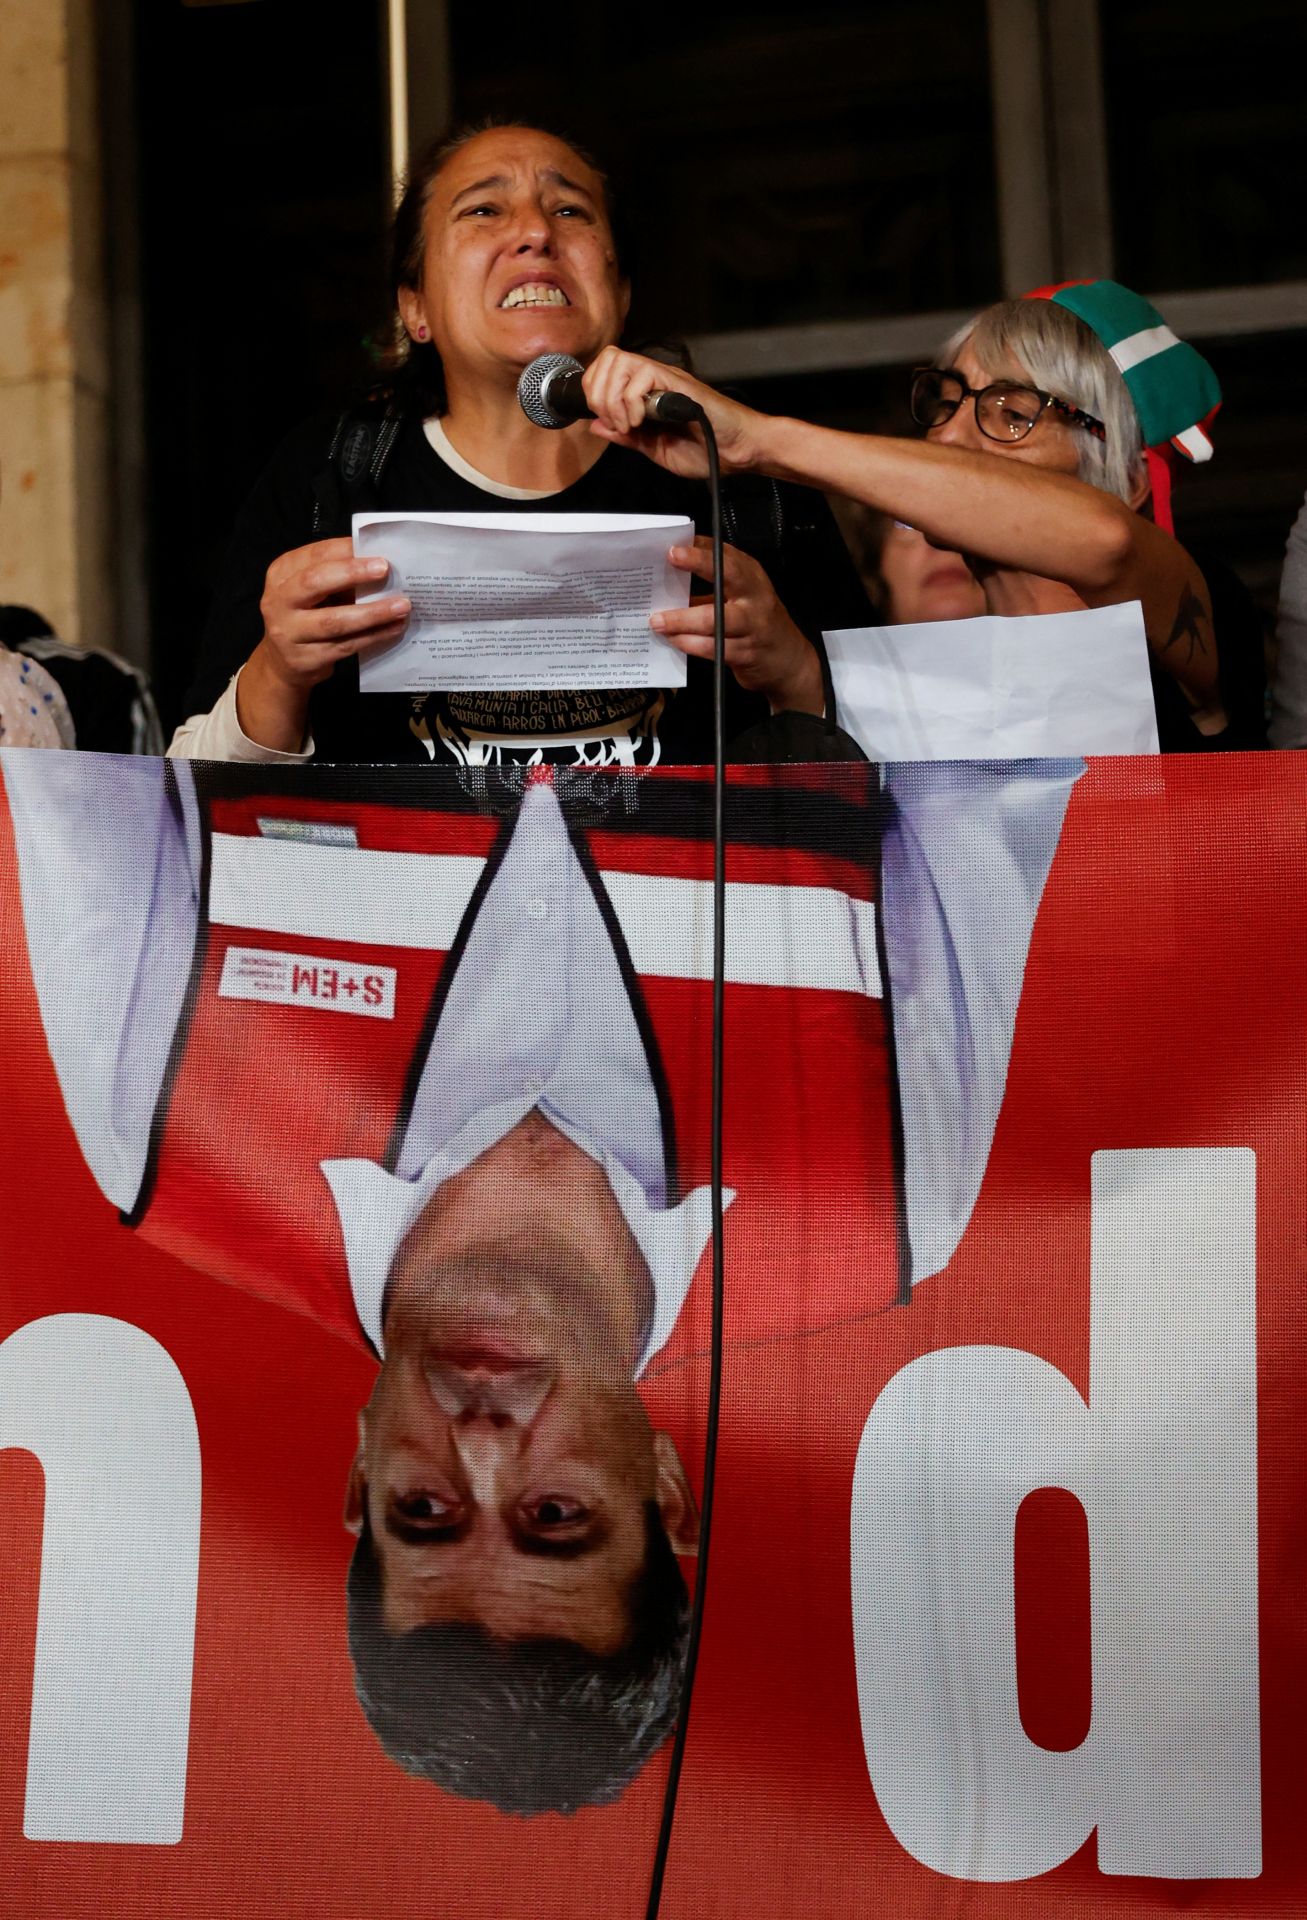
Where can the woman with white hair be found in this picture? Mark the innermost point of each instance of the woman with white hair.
(1053, 424)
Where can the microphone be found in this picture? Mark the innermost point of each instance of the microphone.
(550, 394)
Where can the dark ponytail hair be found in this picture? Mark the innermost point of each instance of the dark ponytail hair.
(408, 375)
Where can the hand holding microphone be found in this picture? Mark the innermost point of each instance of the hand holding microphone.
(763, 647)
(635, 403)
(552, 394)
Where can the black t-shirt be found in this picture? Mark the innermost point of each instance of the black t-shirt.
(788, 529)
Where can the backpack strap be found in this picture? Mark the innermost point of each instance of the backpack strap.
(776, 523)
(350, 480)
(754, 517)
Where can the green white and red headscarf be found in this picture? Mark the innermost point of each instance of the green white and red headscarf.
(1175, 392)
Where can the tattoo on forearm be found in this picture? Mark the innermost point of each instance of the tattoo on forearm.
(1190, 626)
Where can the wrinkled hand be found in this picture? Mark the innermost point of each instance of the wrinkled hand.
(310, 620)
(764, 649)
(616, 384)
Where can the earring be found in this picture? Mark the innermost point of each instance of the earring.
(422, 333)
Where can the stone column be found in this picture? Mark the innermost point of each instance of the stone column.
(56, 508)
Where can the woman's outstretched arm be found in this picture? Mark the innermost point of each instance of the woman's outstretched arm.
(1006, 513)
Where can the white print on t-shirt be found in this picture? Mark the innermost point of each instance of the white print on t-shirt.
(633, 742)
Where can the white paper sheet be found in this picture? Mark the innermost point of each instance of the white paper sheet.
(997, 688)
(523, 601)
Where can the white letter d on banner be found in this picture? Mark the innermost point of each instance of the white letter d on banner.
(1163, 1460)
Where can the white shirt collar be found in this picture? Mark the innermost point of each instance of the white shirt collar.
(440, 443)
(377, 1209)
(537, 1014)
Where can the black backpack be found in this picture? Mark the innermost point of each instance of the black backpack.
(759, 515)
(774, 522)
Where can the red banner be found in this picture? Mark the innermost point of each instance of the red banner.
(343, 1090)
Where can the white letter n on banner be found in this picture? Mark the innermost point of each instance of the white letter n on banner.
(1163, 1460)
(107, 1414)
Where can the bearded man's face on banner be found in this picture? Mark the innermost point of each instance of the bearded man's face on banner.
(508, 1487)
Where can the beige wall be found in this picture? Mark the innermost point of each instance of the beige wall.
(55, 485)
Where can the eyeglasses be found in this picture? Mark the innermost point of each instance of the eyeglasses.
(1005, 410)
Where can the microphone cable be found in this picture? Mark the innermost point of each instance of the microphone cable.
(718, 1261)
(551, 394)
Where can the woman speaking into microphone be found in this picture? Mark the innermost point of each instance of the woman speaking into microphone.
(503, 250)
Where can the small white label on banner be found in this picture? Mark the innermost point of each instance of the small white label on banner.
(307, 980)
(313, 833)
